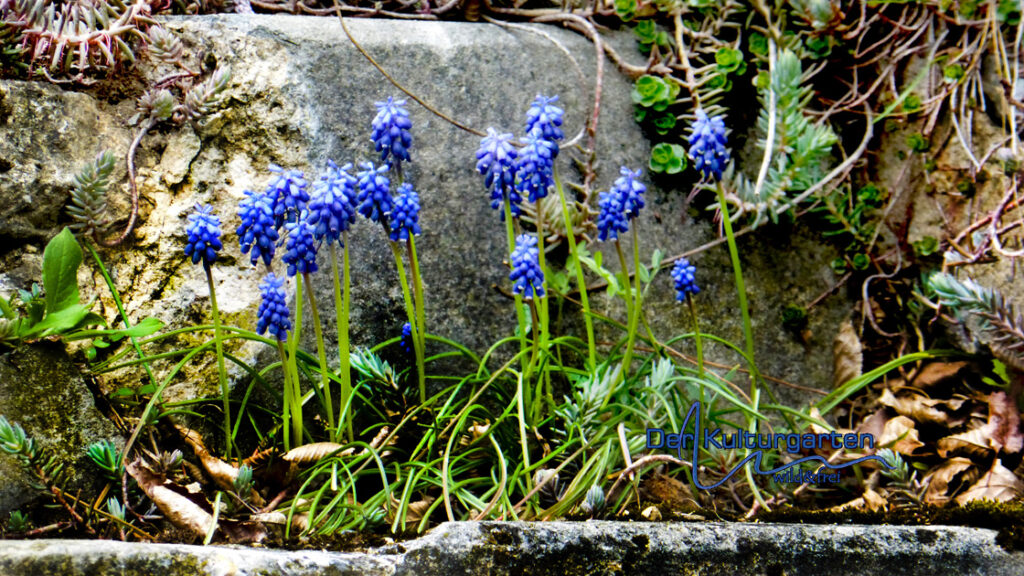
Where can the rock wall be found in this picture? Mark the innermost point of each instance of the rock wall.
(301, 94)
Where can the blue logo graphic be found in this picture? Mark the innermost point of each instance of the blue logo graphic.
(757, 444)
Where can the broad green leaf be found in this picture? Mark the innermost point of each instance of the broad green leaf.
(642, 272)
(142, 329)
(61, 259)
(60, 321)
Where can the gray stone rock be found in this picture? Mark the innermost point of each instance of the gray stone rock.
(560, 549)
(43, 393)
(302, 94)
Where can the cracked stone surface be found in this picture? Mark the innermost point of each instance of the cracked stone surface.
(559, 549)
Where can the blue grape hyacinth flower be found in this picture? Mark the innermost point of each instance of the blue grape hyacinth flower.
(390, 130)
(683, 275)
(203, 231)
(526, 274)
(288, 194)
(545, 119)
(332, 209)
(630, 191)
(708, 145)
(273, 313)
(300, 253)
(374, 198)
(535, 167)
(496, 161)
(611, 217)
(406, 341)
(405, 215)
(257, 234)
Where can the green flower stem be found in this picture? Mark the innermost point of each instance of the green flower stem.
(581, 283)
(542, 303)
(296, 391)
(520, 315)
(748, 332)
(325, 383)
(221, 373)
(342, 299)
(697, 342)
(419, 327)
(533, 400)
(288, 398)
(409, 311)
(628, 297)
(638, 299)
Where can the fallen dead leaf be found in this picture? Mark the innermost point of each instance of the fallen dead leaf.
(974, 442)
(847, 355)
(921, 408)
(222, 473)
(999, 484)
(900, 435)
(172, 500)
(939, 479)
(936, 372)
(313, 453)
(1003, 427)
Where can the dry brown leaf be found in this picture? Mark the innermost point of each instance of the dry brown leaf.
(181, 510)
(921, 408)
(815, 417)
(873, 424)
(222, 473)
(874, 501)
(901, 434)
(936, 372)
(665, 489)
(413, 512)
(1003, 428)
(313, 453)
(847, 355)
(973, 442)
(938, 480)
(871, 500)
(999, 484)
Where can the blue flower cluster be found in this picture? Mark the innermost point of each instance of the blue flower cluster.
(257, 234)
(707, 145)
(300, 254)
(287, 193)
(374, 198)
(545, 118)
(683, 275)
(535, 166)
(406, 341)
(332, 210)
(526, 274)
(496, 160)
(631, 191)
(508, 173)
(273, 311)
(203, 231)
(390, 130)
(619, 205)
(405, 216)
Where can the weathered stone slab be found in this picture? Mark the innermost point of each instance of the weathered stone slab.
(560, 549)
(41, 391)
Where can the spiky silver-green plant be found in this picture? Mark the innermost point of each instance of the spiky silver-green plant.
(88, 208)
(986, 313)
(45, 470)
(794, 157)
